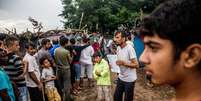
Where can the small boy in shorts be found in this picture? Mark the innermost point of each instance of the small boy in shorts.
(48, 78)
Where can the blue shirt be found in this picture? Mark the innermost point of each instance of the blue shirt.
(6, 84)
(51, 50)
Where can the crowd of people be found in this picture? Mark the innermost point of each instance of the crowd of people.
(53, 72)
(56, 70)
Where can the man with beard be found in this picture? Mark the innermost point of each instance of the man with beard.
(43, 52)
(127, 61)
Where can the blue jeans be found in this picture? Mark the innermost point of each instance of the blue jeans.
(77, 71)
(23, 94)
(124, 87)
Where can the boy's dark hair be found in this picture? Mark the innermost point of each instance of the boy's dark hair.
(72, 41)
(10, 39)
(43, 59)
(45, 41)
(63, 41)
(97, 54)
(55, 42)
(30, 44)
(176, 20)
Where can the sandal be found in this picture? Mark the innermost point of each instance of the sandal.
(79, 88)
(74, 93)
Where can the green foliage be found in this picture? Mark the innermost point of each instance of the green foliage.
(107, 14)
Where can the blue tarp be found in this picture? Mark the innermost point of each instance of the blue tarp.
(138, 45)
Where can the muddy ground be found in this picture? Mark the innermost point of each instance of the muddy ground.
(143, 92)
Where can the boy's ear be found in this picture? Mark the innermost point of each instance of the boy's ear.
(192, 56)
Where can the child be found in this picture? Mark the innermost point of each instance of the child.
(101, 73)
(48, 78)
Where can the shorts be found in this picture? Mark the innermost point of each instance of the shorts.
(77, 68)
(52, 94)
(88, 68)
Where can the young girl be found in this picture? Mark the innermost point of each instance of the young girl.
(48, 78)
(101, 73)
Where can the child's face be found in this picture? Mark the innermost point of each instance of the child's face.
(31, 50)
(48, 45)
(96, 59)
(46, 63)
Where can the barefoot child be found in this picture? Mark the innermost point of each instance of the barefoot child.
(101, 73)
(48, 78)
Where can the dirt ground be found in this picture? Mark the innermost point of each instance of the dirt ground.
(143, 92)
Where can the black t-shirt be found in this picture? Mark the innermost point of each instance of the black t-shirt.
(78, 50)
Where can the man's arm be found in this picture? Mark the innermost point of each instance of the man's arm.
(34, 78)
(70, 59)
(133, 64)
(83, 47)
(133, 59)
(30, 69)
(4, 95)
(25, 65)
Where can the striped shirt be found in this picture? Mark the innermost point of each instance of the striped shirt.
(14, 69)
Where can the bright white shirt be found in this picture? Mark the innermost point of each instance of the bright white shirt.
(126, 54)
(32, 67)
(130, 43)
(86, 55)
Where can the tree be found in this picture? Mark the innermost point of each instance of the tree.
(36, 25)
(107, 15)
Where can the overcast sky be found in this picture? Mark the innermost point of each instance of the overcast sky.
(15, 13)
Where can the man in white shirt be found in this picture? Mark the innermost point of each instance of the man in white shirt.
(33, 76)
(86, 63)
(128, 64)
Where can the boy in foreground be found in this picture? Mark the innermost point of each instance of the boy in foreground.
(172, 52)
